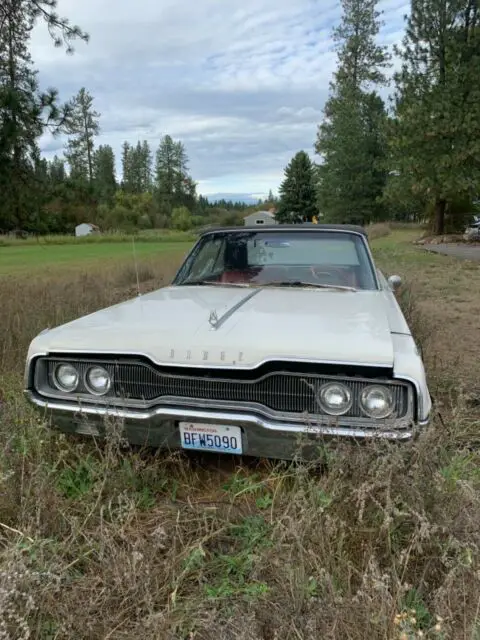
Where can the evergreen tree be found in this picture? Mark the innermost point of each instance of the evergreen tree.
(83, 125)
(127, 182)
(360, 59)
(352, 137)
(174, 186)
(146, 166)
(25, 111)
(436, 131)
(165, 174)
(297, 191)
(271, 197)
(104, 174)
(32, 11)
(137, 168)
(56, 171)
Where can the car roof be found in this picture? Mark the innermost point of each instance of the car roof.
(351, 228)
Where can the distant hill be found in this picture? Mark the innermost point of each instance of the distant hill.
(247, 198)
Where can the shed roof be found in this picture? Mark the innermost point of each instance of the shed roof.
(90, 224)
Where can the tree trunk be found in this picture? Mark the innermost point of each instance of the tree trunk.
(88, 140)
(439, 224)
(17, 152)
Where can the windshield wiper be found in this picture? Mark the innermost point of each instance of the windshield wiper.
(281, 283)
(208, 283)
(301, 283)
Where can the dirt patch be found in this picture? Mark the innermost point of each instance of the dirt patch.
(448, 239)
(467, 251)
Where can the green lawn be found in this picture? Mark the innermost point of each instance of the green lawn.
(21, 259)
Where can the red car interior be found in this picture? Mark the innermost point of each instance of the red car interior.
(237, 270)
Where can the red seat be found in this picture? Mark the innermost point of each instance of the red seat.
(235, 276)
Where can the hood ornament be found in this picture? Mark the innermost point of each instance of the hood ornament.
(216, 322)
(213, 319)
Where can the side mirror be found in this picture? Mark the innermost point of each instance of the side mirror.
(394, 282)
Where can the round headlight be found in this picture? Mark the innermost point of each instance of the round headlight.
(335, 398)
(66, 377)
(377, 401)
(98, 381)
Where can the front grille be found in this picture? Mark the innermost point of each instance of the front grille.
(280, 391)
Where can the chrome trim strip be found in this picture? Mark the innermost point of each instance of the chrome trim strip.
(201, 365)
(424, 423)
(108, 405)
(373, 266)
(415, 383)
(229, 313)
(175, 414)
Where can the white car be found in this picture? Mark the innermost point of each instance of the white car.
(472, 232)
(266, 334)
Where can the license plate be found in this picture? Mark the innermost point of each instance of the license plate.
(211, 437)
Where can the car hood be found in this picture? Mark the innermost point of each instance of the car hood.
(233, 326)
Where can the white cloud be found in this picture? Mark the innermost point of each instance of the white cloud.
(241, 82)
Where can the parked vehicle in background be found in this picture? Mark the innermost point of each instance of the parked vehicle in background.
(473, 229)
(267, 333)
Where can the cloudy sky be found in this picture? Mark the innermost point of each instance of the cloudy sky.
(241, 82)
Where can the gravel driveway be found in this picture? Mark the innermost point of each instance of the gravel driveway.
(461, 251)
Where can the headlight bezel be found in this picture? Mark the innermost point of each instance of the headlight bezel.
(46, 382)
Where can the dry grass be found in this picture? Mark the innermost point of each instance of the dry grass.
(446, 292)
(102, 541)
(153, 235)
(381, 229)
(378, 230)
(52, 298)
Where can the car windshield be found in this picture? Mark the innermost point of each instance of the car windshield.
(287, 258)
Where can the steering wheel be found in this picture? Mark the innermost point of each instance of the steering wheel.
(331, 271)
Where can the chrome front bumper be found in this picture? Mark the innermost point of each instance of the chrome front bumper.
(158, 427)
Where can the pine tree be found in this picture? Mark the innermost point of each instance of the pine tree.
(351, 139)
(19, 113)
(25, 111)
(174, 186)
(136, 179)
(146, 166)
(360, 59)
(127, 182)
(60, 29)
(137, 168)
(83, 125)
(435, 145)
(297, 191)
(104, 174)
(181, 170)
(56, 171)
(165, 174)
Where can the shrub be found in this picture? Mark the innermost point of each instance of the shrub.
(181, 219)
